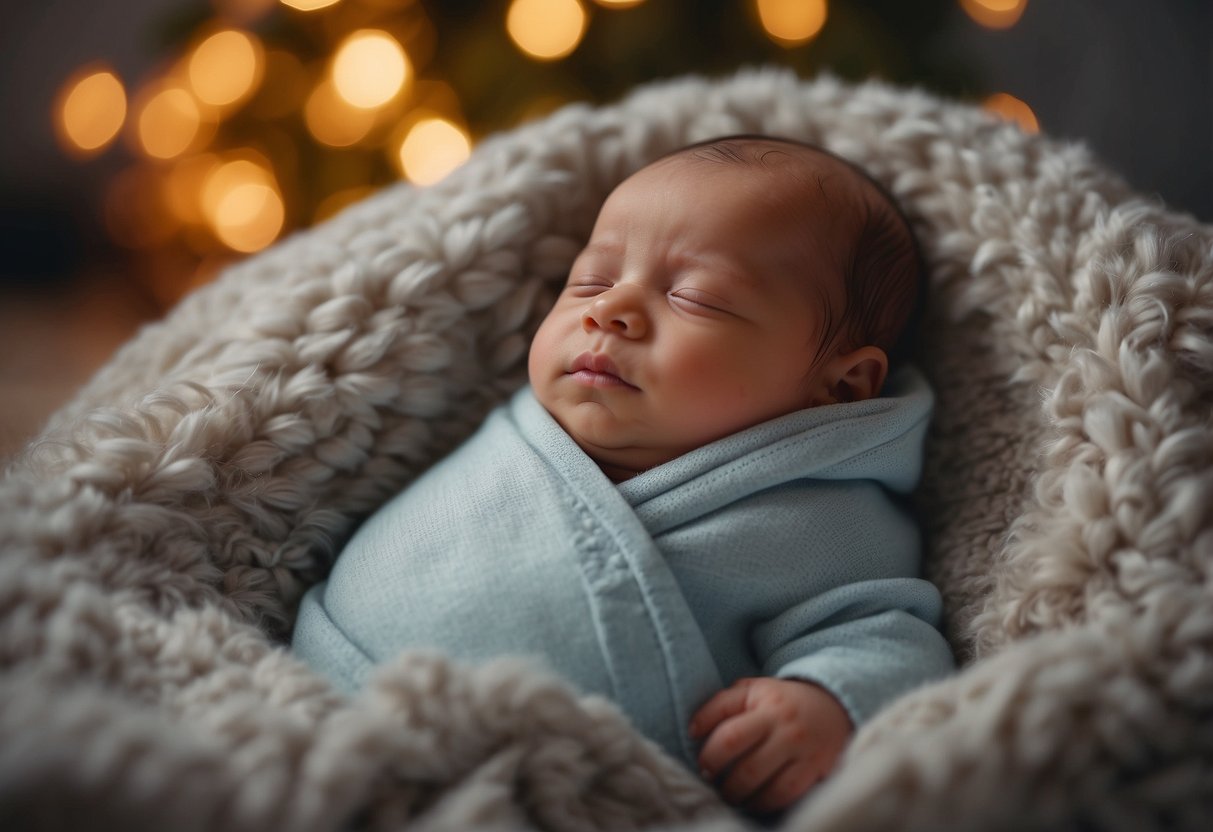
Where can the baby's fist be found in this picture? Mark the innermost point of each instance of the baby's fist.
(770, 740)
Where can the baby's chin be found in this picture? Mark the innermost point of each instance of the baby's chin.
(623, 461)
(613, 443)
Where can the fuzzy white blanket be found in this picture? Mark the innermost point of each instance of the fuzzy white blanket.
(157, 538)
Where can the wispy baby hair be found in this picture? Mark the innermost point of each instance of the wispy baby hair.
(884, 274)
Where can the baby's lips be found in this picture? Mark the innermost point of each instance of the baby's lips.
(596, 362)
(600, 365)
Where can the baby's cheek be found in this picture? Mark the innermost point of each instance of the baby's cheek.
(709, 375)
(544, 351)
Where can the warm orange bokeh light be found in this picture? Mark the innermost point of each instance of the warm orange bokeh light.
(226, 67)
(168, 123)
(249, 217)
(332, 120)
(1010, 108)
(546, 29)
(370, 68)
(792, 22)
(90, 111)
(432, 148)
(309, 5)
(241, 202)
(225, 176)
(995, 14)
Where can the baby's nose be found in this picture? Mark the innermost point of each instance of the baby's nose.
(616, 312)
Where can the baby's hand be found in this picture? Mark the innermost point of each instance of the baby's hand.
(771, 739)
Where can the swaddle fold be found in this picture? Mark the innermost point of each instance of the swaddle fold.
(780, 550)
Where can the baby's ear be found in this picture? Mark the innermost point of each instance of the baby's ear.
(856, 375)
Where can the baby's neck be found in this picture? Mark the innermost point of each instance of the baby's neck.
(618, 473)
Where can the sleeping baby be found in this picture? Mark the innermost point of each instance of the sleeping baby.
(696, 507)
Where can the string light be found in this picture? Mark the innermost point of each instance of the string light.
(250, 217)
(370, 96)
(334, 121)
(309, 5)
(546, 29)
(227, 175)
(1010, 108)
(168, 123)
(792, 22)
(995, 14)
(241, 202)
(370, 68)
(226, 67)
(91, 110)
(432, 148)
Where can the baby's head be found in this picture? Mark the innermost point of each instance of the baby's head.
(723, 285)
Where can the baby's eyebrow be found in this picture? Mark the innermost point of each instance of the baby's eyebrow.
(603, 247)
(720, 263)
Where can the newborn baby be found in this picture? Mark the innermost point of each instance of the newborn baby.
(691, 508)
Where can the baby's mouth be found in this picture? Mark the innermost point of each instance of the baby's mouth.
(598, 370)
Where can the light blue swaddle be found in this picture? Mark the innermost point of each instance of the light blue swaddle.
(775, 551)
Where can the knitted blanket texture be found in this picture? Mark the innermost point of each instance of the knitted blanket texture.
(157, 537)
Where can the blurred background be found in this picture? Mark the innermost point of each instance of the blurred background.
(148, 143)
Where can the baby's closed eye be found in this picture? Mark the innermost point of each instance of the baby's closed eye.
(697, 300)
(587, 286)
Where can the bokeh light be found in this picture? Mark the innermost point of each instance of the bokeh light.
(792, 22)
(242, 204)
(995, 14)
(226, 67)
(432, 148)
(91, 110)
(268, 114)
(1010, 108)
(334, 121)
(546, 29)
(370, 68)
(309, 5)
(168, 122)
(249, 217)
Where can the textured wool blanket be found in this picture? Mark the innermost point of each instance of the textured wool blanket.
(157, 537)
(774, 551)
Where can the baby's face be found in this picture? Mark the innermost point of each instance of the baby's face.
(691, 314)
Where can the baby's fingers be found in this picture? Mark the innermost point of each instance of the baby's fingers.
(753, 771)
(731, 740)
(786, 787)
(727, 703)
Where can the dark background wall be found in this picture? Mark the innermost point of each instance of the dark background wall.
(1131, 78)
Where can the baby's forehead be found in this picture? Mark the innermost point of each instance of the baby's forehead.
(760, 154)
(799, 176)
